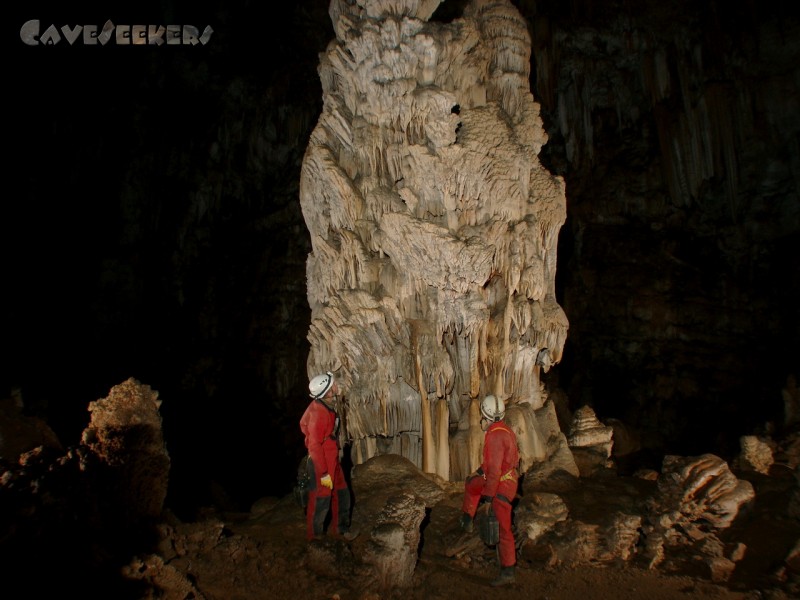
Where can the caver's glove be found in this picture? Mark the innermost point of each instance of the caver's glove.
(326, 481)
(484, 506)
(475, 474)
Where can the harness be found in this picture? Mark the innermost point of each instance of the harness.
(512, 474)
(336, 422)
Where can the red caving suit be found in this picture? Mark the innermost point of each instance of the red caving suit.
(500, 479)
(319, 424)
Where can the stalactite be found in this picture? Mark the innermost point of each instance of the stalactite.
(532, 448)
(428, 443)
(433, 227)
(475, 435)
(442, 439)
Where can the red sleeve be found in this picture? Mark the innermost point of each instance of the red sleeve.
(313, 425)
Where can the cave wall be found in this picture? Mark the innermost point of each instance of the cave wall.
(156, 231)
(158, 234)
(676, 129)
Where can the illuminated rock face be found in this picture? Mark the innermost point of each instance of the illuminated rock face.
(434, 228)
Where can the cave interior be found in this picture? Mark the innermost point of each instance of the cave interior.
(155, 232)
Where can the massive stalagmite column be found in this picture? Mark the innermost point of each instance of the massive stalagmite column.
(434, 230)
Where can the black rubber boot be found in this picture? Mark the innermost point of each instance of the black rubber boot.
(321, 509)
(506, 577)
(465, 522)
(343, 496)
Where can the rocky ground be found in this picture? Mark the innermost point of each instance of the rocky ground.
(264, 554)
(88, 521)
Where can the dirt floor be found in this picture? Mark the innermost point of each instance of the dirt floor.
(464, 578)
(439, 574)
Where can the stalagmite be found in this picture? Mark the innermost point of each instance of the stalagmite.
(433, 228)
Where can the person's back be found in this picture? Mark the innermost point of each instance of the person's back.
(495, 482)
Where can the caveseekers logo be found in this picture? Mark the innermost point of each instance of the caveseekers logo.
(122, 35)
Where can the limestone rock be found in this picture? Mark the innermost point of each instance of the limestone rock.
(125, 442)
(433, 228)
(626, 440)
(538, 513)
(394, 540)
(756, 454)
(385, 476)
(587, 430)
(703, 488)
(697, 497)
(590, 441)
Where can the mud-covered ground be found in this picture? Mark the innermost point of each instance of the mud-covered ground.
(285, 570)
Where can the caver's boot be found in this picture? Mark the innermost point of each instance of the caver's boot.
(349, 533)
(343, 525)
(506, 577)
(465, 522)
(321, 509)
(347, 530)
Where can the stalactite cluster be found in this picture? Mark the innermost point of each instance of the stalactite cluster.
(695, 119)
(433, 228)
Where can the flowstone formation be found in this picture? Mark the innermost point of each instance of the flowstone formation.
(434, 228)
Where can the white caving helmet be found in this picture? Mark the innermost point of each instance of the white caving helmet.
(320, 385)
(493, 409)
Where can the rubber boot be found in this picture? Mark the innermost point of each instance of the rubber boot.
(506, 577)
(465, 522)
(343, 516)
(321, 509)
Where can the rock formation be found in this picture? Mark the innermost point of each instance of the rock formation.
(433, 228)
(94, 520)
(590, 441)
(76, 513)
(125, 443)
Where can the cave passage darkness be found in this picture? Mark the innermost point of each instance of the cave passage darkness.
(152, 229)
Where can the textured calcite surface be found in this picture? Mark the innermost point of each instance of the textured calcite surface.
(433, 227)
(125, 445)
